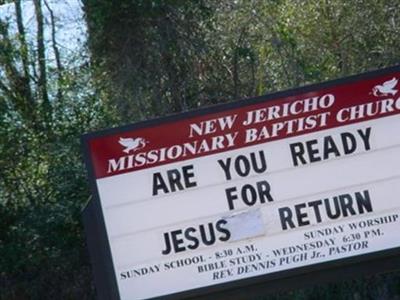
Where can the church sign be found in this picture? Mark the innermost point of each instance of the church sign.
(238, 194)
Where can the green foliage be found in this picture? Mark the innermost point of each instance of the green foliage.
(43, 185)
(159, 57)
(147, 51)
(43, 188)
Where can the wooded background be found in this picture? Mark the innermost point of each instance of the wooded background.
(143, 59)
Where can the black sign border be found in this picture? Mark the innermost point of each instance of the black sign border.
(100, 251)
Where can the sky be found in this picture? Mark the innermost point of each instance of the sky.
(70, 25)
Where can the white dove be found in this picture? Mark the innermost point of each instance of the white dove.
(386, 88)
(132, 144)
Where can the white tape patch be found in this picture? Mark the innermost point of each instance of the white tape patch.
(245, 225)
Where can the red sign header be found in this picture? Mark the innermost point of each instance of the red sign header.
(238, 125)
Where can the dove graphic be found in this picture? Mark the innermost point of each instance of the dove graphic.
(132, 144)
(386, 88)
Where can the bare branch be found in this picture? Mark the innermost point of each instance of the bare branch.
(56, 51)
(42, 82)
(23, 51)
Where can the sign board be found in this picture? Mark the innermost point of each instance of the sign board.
(212, 198)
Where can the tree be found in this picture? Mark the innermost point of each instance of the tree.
(45, 105)
(151, 54)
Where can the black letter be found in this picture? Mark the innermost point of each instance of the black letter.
(346, 203)
(264, 191)
(330, 147)
(246, 165)
(286, 216)
(301, 215)
(191, 238)
(249, 199)
(174, 180)
(329, 212)
(158, 184)
(312, 152)
(363, 202)
(176, 242)
(223, 230)
(349, 142)
(297, 154)
(167, 243)
(204, 235)
(225, 167)
(315, 205)
(263, 167)
(365, 137)
(187, 175)
(231, 197)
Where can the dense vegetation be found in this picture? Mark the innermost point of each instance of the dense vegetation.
(150, 58)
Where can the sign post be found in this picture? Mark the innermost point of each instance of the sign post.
(251, 192)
